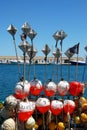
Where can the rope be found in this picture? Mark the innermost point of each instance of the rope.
(76, 74)
(34, 70)
(61, 60)
(84, 71)
(45, 74)
(16, 56)
(24, 70)
(29, 66)
(57, 71)
(53, 69)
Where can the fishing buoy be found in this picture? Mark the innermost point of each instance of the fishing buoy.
(10, 102)
(84, 106)
(8, 124)
(56, 107)
(61, 126)
(75, 88)
(39, 121)
(82, 100)
(35, 87)
(29, 124)
(50, 89)
(25, 110)
(52, 126)
(1, 105)
(77, 120)
(6, 113)
(42, 105)
(63, 87)
(69, 106)
(84, 117)
(22, 89)
(36, 126)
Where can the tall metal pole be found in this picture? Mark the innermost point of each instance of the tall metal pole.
(77, 69)
(24, 47)
(12, 30)
(69, 55)
(57, 55)
(46, 50)
(24, 72)
(31, 52)
(60, 35)
(61, 60)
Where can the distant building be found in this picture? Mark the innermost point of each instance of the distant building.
(39, 59)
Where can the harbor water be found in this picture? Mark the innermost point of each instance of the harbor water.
(10, 75)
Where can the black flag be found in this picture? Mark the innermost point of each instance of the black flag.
(75, 49)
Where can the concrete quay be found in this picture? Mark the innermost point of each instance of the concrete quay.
(38, 59)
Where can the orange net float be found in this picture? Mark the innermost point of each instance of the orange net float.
(52, 126)
(84, 106)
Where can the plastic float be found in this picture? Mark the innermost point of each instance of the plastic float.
(25, 111)
(35, 87)
(50, 89)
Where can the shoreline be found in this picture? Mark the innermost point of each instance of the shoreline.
(36, 60)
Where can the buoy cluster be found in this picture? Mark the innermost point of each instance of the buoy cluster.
(49, 107)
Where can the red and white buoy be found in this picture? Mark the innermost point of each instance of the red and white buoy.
(63, 87)
(22, 89)
(56, 107)
(25, 110)
(43, 104)
(50, 89)
(69, 106)
(35, 87)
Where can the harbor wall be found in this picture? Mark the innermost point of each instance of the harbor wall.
(39, 59)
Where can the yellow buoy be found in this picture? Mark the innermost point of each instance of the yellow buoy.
(1, 105)
(82, 100)
(61, 126)
(83, 117)
(36, 126)
(84, 106)
(77, 120)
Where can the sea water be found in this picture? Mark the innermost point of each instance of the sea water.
(11, 74)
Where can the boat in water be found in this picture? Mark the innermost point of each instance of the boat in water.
(73, 62)
(48, 106)
(15, 62)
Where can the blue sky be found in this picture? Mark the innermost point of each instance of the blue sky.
(45, 17)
